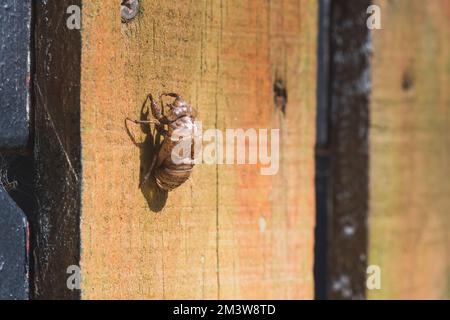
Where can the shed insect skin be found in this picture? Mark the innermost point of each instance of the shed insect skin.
(180, 122)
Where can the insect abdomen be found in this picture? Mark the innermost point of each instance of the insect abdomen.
(169, 179)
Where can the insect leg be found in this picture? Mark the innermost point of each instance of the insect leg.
(142, 121)
(131, 135)
(157, 111)
(149, 173)
(169, 94)
(162, 131)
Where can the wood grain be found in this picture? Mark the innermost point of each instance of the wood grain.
(56, 187)
(410, 148)
(228, 232)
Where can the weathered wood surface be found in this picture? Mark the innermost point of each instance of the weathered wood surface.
(55, 234)
(15, 31)
(228, 232)
(410, 148)
(14, 248)
(348, 149)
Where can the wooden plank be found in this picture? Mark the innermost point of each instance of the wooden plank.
(55, 225)
(228, 232)
(322, 153)
(410, 148)
(17, 204)
(15, 32)
(14, 248)
(348, 139)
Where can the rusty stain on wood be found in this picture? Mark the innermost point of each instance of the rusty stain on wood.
(228, 232)
(410, 148)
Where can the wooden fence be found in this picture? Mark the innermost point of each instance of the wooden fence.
(363, 117)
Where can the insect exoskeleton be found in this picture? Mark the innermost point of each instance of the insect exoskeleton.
(176, 123)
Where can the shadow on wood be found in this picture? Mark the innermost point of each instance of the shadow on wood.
(149, 148)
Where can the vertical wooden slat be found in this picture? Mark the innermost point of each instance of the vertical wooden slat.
(349, 92)
(228, 232)
(322, 153)
(266, 223)
(410, 148)
(15, 79)
(13, 250)
(55, 225)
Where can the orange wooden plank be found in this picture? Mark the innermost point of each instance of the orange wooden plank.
(228, 232)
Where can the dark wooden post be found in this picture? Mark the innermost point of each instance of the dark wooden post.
(55, 236)
(342, 153)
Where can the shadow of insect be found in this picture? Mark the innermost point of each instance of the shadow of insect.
(149, 149)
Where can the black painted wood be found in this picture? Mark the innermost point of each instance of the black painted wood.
(322, 153)
(348, 139)
(13, 250)
(15, 79)
(15, 24)
(55, 228)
